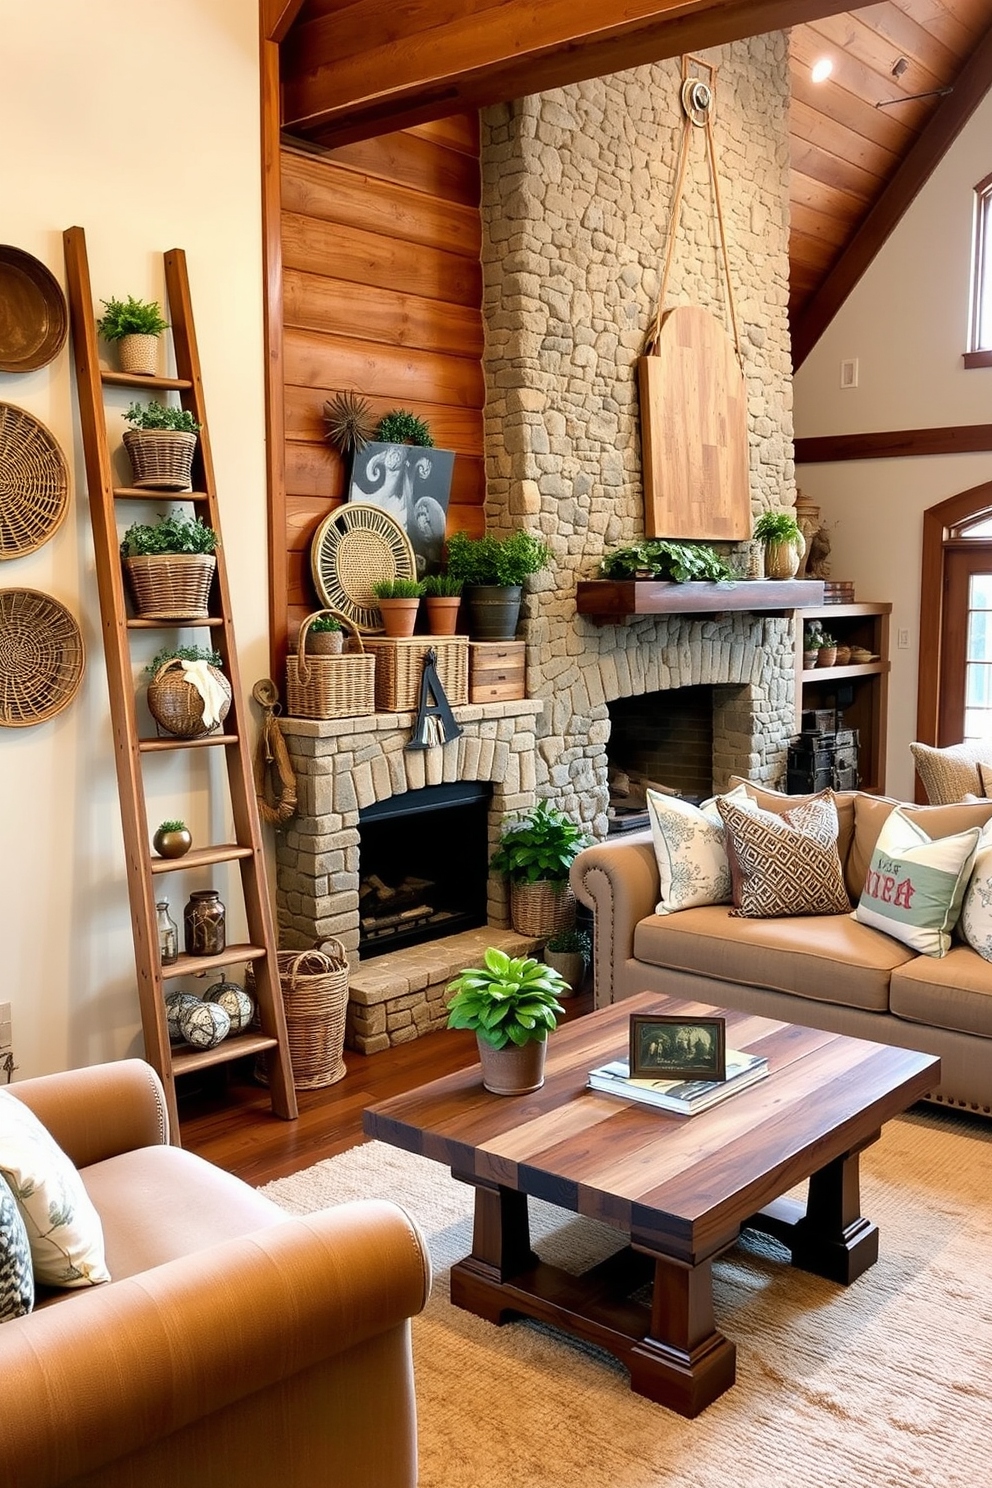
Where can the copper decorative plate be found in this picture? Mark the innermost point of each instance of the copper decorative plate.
(34, 321)
(34, 483)
(41, 657)
(355, 547)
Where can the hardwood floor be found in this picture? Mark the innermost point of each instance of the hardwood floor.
(228, 1119)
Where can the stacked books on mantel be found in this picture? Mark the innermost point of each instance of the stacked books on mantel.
(683, 1096)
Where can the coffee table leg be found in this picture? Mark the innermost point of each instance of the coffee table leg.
(683, 1362)
(500, 1250)
(831, 1237)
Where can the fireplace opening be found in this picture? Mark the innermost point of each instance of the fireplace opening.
(423, 866)
(663, 740)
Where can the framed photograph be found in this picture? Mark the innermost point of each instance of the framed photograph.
(677, 1048)
(412, 483)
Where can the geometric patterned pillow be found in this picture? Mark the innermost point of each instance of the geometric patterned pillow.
(16, 1276)
(786, 865)
(915, 884)
(689, 845)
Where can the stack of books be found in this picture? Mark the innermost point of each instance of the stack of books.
(683, 1096)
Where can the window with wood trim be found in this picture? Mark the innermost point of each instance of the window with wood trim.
(979, 353)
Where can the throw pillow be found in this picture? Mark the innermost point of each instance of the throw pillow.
(975, 924)
(985, 776)
(915, 884)
(63, 1227)
(787, 864)
(16, 1276)
(689, 847)
(950, 774)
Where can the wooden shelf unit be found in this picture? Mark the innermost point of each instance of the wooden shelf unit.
(858, 625)
(131, 751)
(612, 601)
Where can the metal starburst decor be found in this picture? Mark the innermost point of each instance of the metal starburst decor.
(350, 422)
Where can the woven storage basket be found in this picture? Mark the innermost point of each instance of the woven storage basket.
(542, 908)
(161, 459)
(330, 686)
(399, 668)
(171, 586)
(315, 995)
(175, 704)
(138, 353)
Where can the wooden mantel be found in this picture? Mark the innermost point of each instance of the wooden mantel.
(610, 601)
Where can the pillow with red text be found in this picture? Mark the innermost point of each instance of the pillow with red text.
(915, 884)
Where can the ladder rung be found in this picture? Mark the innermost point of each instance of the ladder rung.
(195, 965)
(173, 624)
(201, 857)
(137, 493)
(202, 741)
(236, 1047)
(138, 379)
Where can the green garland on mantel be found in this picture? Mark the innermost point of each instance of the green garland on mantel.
(661, 558)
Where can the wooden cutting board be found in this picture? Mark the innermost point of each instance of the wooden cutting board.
(694, 443)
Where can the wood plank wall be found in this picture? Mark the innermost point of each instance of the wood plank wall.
(382, 295)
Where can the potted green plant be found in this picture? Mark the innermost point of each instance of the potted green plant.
(784, 544)
(442, 599)
(188, 694)
(535, 851)
(160, 444)
(325, 636)
(827, 652)
(400, 426)
(511, 1004)
(135, 326)
(172, 839)
(170, 566)
(398, 601)
(568, 953)
(812, 636)
(663, 558)
(493, 570)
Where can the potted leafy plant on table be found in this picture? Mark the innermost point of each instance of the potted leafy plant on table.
(511, 1004)
(160, 444)
(135, 326)
(170, 566)
(493, 570)
(535, 851)
(784, 543)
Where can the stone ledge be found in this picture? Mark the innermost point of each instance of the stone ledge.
(372, 723)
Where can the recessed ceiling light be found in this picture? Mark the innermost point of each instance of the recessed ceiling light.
(821, 69)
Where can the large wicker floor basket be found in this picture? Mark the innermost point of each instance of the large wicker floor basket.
(542, 908)
(314, 987)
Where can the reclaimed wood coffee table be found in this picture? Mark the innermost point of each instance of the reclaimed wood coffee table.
(680, 1188)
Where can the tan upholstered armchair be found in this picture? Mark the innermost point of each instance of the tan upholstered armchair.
(235, 1345)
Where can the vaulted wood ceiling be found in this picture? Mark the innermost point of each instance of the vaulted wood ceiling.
(862, 145)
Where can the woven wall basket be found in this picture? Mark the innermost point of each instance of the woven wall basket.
(41, 657)
(542, 908)
(175, 704)
(314, 988)
(161, 459)
(34, 483)
(171, 586)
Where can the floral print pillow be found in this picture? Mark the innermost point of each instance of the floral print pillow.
(689, 844)
(975, 925)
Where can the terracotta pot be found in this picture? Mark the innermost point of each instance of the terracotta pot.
(399, 616)
(515, 1070)
(442, 613)
(826, 656)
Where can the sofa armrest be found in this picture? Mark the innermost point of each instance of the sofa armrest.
(100, 1111)
(109, 1372)
(619, 882)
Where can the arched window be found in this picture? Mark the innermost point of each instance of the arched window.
(954, 700)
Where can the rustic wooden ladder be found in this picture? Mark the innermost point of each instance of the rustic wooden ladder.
(132, 751)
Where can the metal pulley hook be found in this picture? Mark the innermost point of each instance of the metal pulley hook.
(697, 100)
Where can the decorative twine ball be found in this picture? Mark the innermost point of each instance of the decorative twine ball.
(235, 1001)
(176, 1004)
(205, 1025)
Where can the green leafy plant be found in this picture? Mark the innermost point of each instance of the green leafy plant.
(131, 317)
(777, 527)
(660, 558)
(155, 415)
(505, 561)
(509, 1000)
(398, 589)
(172, 826)
(183, 653)
(570, 943)
(324, 624)
(174, 533)
(443, 586)
(538, 845)
(825, 640)
(812, 635)
(402, 427)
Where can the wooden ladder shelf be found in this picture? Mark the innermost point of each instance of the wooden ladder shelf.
(131, 750)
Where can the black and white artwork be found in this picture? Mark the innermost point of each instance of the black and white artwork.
(411, 483)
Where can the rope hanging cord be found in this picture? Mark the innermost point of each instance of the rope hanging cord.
(275, 783)
(697, 100)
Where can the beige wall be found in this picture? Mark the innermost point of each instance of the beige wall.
(906, 322)
(144, 157)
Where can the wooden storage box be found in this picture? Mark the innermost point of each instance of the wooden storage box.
(497, 671)
(399, 669)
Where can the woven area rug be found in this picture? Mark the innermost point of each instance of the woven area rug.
(886, 1383)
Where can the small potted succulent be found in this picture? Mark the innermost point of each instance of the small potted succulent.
(568, 952)
(442, 598)
(135, 326)
(784, 543)
(812, 637)
(170, 566)
(511, 1004)
(535, 851)
(325, 636)
(493, 570)
(398, 601)
(160, 444)
(172, 839)
(188, 694)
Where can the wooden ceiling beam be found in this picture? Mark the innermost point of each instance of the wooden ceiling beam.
(970, 87)
(373, 66)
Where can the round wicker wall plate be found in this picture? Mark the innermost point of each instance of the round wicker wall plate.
(34, 483)
(41, 657)
(33, 317)
(355, 547)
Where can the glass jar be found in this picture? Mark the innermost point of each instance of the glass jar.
(204, 924)
(168, 934)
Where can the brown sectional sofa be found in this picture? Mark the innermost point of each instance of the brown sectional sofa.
(827, 971)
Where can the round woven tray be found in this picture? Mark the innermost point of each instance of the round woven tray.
(33, 318)
(34, 483)
(355, 547)
(41, 657)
